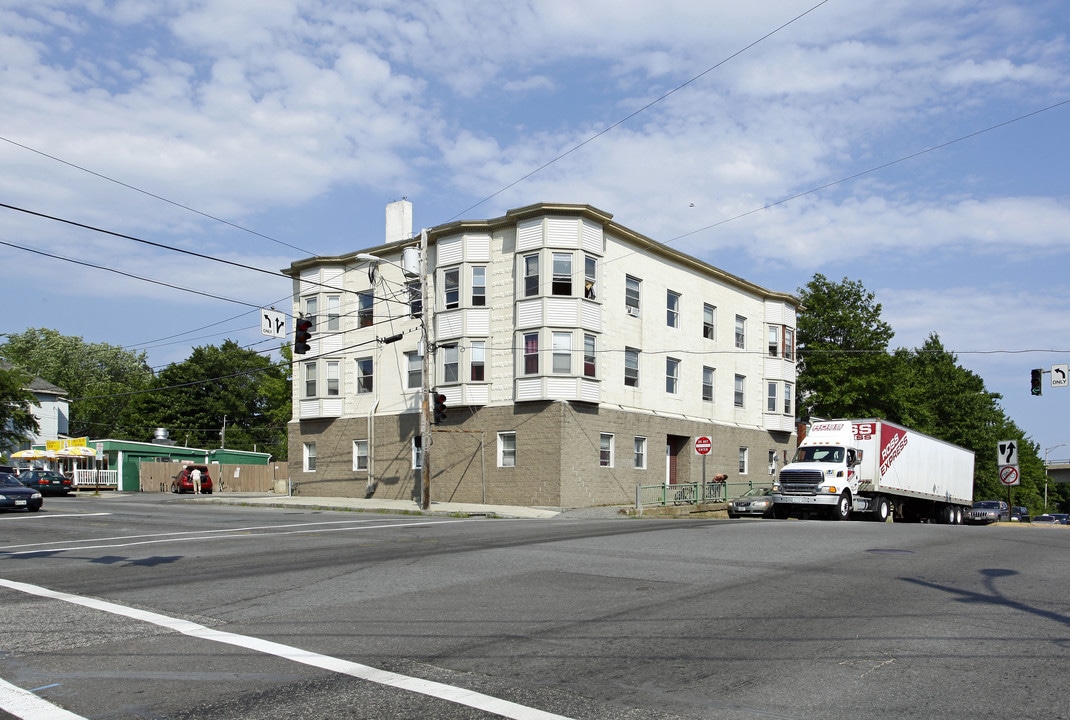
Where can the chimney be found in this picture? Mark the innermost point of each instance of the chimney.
(398, 221)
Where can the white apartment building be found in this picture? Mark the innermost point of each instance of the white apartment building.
(578, 359)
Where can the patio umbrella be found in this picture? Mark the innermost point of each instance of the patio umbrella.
(33, 454)
(76, 452)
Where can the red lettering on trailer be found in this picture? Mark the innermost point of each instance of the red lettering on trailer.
(893, 440)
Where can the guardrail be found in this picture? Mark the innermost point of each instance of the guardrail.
(687, 493)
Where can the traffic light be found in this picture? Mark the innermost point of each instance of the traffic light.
(439, 402)
(302, 335)
(1034, 381)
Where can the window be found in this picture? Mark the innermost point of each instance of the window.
(365, 380)
(450, 364)
(451, 287)
(334, 304)
(478, 360)
(309, 456)
(707, 384)
(589, 367)
(365, 309)
(631, 367)
(631, 295)
(738, 394)
(311, 306)
(479, 286)
(417, 453)
(772, 462)
(771, 397)
(789, 343)
(787, 399)
(672, 309)
(360, 455)
(562, 353)
(507, 449)
(774, 340)
(590, 266)
(531, 275)
(310, 379)
(605, 450)
(531, 354)
(640, 453)
(741, 332)
(672, 376)
(709, 321)
(416, 298)
(333, 380)
(743, 461)
(562, 282)
(416, 370)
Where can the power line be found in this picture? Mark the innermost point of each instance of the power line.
(153, 195)
(649, 105)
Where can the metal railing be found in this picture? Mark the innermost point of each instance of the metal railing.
(688, 493)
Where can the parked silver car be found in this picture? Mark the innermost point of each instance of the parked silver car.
(984, 512)
(756, 501)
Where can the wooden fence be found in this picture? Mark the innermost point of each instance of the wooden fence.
(157, 476)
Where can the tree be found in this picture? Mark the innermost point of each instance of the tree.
(221, 396)
(95, 376)
(17, 421)
(843, 351)
(848, 372)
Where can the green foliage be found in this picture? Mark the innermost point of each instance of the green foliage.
(842, 343)
(848, 372)
(93, 374)
(216, 387)
(17, 421)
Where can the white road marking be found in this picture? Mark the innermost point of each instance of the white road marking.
(24, 704)
(457, 695)
(191, 535)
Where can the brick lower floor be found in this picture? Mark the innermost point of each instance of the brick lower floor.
(560, 455)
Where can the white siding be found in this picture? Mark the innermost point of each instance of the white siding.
(562, 232)
(477, 322)
(450, 250)
(593, 240)
(477, 248)
(529, 313)
(449, 325)
(529, 235)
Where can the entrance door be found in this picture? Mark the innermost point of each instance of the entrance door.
(672, 452)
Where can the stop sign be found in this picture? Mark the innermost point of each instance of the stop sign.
(703, 445)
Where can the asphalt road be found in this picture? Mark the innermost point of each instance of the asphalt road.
(143, 607)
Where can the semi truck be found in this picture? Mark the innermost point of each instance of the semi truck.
(875, 467)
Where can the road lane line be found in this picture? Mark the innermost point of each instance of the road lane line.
(460, 696)
(24, 704)
(191, 535)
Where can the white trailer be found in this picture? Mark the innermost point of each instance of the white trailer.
(876, 467)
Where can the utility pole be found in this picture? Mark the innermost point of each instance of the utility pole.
(427, 301)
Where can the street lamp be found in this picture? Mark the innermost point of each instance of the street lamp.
(425, 379)
(1046, 472)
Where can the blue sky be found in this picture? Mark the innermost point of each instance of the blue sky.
(301, 119)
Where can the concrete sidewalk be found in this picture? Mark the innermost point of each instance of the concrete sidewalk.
(405, 507)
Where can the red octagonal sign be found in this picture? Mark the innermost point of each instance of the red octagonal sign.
(703, 445)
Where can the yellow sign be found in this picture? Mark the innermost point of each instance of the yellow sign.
(55, 445)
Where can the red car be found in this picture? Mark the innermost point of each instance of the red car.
(184, 482)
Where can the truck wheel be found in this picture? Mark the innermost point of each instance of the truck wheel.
(842, 511)
(881, 509)
(947, 515)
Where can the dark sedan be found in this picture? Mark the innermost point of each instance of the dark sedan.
(47, 482)
(16, 496)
